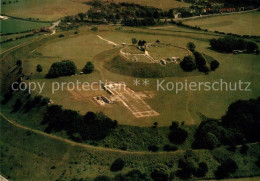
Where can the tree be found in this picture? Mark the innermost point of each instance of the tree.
(226, 168)
(39, 68)
(94, 29)
(153, 148)
(155, 124)
(187, 64)
(202, 170)
(63, 68)
(160, 173)
(214, 65)
(17, 105)
(191, 46)
(89, 67)
(211, 140)
(203, 69)
(82, 16)
(178, 136)
(102, 178)
(134, 41)
(199, 59)
(19, 63)
(244, 149)
(117, 165)
(170, 148)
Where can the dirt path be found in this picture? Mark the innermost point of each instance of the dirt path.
(90, 147)
(110, 42)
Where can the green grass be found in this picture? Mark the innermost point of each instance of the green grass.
(18, 25)
(184, 106)
(242, 24)
(45, 10)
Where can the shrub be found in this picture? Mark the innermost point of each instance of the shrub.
(160, 173)
(117, 165)
(244, 149)
(202, 170)
(89, 67)
(134, 41)
(226, 168)
(178, 136)
(39, 68)
(94, 29)
(170, 148)
(203, 69)
(45, 101)
(199, 59)
(17, 105)
(214, 65)
(191, 46)
(19, 62)
(153, 148)
(102, 178)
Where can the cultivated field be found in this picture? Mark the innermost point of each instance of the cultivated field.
(45, 10)
(242, 24)
(17, 25)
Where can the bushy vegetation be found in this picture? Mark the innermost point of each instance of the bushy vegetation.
(117, 165)
(229, 44)
(138, 22)
(91, 126)
(177, 134)
(226, 168)
(89, 67)
(63, 68)
(135, 175)
(188, 64)
(190, 165)
(240, 124)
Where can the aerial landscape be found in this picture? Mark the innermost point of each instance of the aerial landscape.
(129, 90)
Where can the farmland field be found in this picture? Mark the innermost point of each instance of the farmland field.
(18, 25)
(242, 24)
(45, 10)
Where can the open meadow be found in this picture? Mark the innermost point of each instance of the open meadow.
(187, 106)
(240, 23)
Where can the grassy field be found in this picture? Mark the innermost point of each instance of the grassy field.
(17, 25)
(45, 10)
(187, 106)
(242, 24)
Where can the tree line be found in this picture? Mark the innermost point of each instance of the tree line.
(67, 68)
(229, 44)
(91, 126)
(240, 125)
